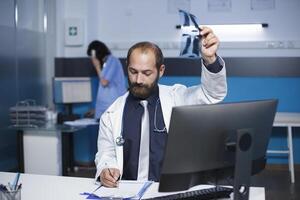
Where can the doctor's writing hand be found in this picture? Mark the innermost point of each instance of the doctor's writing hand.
(210, 44)
(109, 177)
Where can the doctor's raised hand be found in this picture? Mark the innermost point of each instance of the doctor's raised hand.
(209, 45)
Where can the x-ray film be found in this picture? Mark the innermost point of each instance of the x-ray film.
(190, 35)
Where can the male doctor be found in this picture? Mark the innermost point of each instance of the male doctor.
(133, 130)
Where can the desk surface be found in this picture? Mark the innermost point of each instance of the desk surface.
(59, 187)
(49, 127)
(287, 119)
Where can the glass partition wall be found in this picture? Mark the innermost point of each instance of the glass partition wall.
(24, 63)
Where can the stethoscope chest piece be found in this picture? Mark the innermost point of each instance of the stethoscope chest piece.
(120, 141)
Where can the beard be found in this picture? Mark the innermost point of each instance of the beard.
(142, 91)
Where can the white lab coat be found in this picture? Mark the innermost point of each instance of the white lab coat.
(213, 89)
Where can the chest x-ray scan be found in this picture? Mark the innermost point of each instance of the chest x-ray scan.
(190, 35)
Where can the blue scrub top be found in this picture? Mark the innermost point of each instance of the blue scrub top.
(106, 95)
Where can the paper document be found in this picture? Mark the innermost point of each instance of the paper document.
(82, 122)
(126, 189)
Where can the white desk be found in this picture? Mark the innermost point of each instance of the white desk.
(288, 120)
(59, 187)
(42, 152)
(52, 144)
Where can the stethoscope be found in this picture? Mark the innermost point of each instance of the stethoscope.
(120, 140)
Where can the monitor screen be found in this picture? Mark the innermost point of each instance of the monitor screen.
(72, 90)
(202, 141)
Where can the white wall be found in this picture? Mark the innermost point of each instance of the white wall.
(120, 23)
(70, 9)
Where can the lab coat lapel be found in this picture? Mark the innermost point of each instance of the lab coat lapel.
(117, 116)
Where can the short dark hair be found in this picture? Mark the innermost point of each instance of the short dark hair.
(144, 47)
(101, 50)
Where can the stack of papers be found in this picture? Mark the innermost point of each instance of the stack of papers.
(24, 114)
(82, 122)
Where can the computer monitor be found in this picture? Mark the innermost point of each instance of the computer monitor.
(72, 90)
(211, 142)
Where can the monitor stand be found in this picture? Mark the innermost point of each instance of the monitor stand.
(69, 116)
(243, 164)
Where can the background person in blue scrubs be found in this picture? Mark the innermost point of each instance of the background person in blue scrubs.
(112, 82)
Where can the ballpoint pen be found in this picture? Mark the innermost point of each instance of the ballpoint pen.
(10, 187)
(19, 186)
(15, 183)
(112, 175)
(3, 188)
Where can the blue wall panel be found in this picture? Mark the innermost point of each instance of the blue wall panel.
(286, 90)
(85, 141)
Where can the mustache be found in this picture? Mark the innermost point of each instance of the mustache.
(138, 85)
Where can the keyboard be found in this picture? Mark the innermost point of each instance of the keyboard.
(203, 194)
